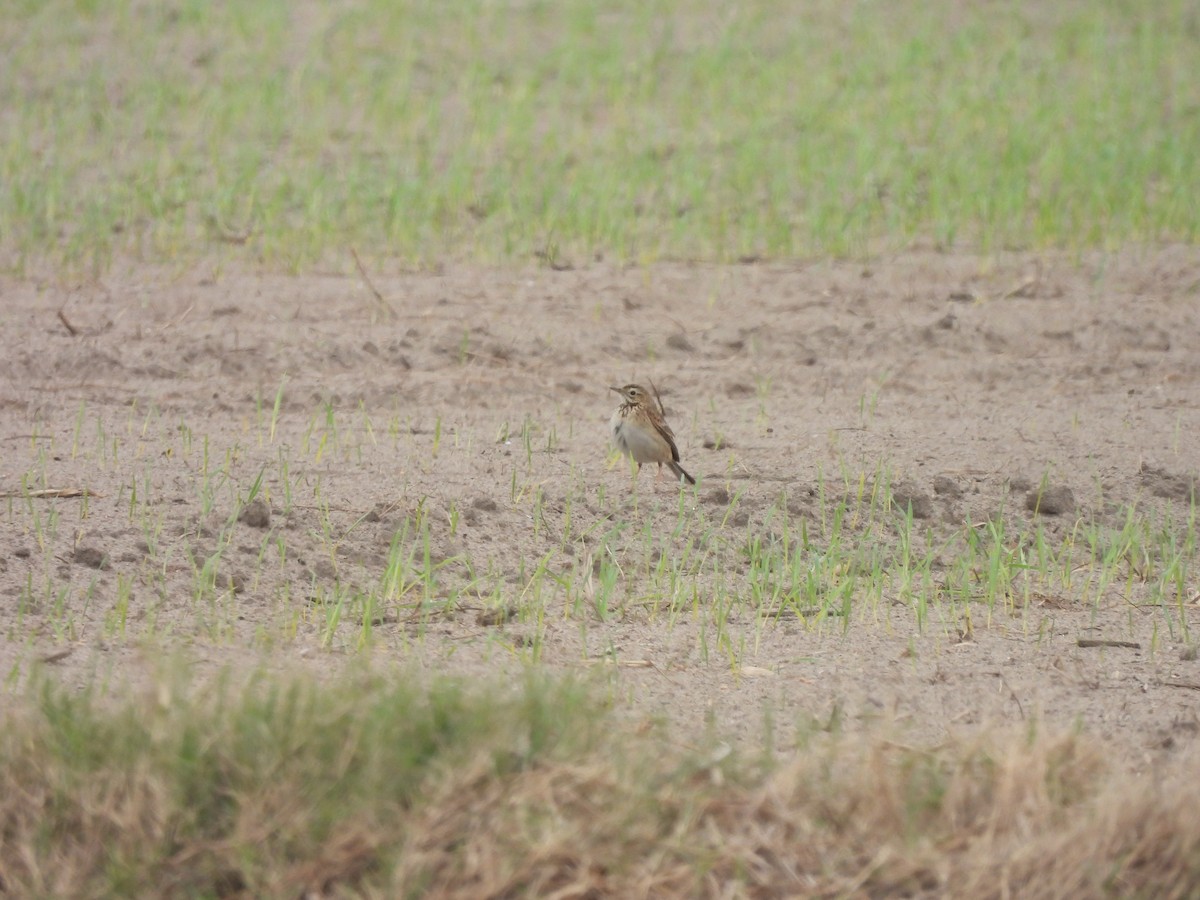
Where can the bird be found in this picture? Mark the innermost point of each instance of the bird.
(641, 433)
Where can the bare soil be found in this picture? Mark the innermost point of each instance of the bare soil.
(968, 383)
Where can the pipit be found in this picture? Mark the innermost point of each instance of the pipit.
(640, 431)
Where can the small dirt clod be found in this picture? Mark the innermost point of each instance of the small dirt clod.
(256, 514)
(91, 557)
(905, 495)
(679, 341)
(231, 582)
(1054, 500)
(945, 486)
(717, 497)
(1172, 485)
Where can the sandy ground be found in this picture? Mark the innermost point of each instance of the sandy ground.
(964, 382)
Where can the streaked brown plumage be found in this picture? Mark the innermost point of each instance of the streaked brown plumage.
(641, 433)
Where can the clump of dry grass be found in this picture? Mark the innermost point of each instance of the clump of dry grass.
(1016, 818)
(269, 788)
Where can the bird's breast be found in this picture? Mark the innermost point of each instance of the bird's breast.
(617, 424)
(644, 444)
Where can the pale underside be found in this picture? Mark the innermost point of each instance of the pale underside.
(642, 444)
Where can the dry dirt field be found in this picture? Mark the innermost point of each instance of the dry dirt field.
(476, 402)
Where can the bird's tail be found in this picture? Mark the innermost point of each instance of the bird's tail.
(677, 471)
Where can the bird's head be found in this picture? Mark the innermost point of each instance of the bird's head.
(633, 393)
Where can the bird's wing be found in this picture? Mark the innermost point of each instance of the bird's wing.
(668, 435)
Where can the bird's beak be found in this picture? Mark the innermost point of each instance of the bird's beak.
(617, 389)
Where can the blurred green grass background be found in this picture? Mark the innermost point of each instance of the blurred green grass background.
(287, 132)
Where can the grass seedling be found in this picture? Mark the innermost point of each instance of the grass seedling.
(275, 409)
(527, 440)
(118, 616)
(367, 426)
(255, 487)
(79, 417)
(285, 481)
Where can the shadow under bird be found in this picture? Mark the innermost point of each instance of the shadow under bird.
(641, 433)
